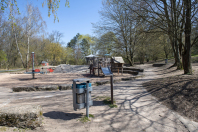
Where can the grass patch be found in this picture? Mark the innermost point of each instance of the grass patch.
(107, 101)
(113, 106)
(41, 113)
(194, 59)
(86, 119)
(100, 98)
(2, 129)
(194, 56)
(15, 130)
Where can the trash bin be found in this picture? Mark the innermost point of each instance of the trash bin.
(79, 93)
(166, 61)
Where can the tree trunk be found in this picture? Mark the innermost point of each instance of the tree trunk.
(177, 57)
(131, 62)
(187, 49)
(27, 57)
(19, 50)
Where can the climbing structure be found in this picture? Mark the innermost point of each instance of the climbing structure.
(104, 62)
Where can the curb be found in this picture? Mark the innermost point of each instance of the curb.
(190, 125)
(67, 86)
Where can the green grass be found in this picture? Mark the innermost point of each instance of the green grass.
(86, 119)
(15, 130)
(194, 56)
(100, 97)
(113, 106)
(107, 101)
(194, 59)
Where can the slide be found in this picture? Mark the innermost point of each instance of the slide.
(106, 71)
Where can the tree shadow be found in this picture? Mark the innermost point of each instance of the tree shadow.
(62, 115)
(26, 79)
(98, 103)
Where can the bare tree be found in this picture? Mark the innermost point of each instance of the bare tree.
(55, 37)
(123, 23)
(173, 18)
(33, 24)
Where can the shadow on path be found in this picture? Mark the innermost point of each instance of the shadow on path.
(62, 115)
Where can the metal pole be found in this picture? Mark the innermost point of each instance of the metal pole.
(98, 67)
(93, 65)
(87, 99)
(74, 95)
(111, 80)
(33, 65)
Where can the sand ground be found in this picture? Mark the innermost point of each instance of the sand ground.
(137, 111)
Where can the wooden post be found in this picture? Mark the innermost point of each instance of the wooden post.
(98, 67)
(111, 80)
(111, 64)
(90, 69)
(122, 69)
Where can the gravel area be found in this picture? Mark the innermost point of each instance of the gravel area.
(64, 68)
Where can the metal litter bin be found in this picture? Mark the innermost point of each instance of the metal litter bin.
(79, 93)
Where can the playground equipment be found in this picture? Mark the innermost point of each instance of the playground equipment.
(117, 63)
(103, 64)
(106, 71)
(33, 70)
(92, 60)
(96, 63)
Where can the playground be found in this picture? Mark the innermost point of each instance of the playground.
(139, 106)
(137, 110)
(97, 69)
(11, 80)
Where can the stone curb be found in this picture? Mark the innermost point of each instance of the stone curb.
(46, 88)
(67, 86)
(117, 80)
(26, 116)
(190, 125)
(35, 88)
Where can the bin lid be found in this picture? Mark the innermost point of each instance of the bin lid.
(82, 85)
(81, 80)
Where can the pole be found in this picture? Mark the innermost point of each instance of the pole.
(74, 95)
(98, 67)
(87, 99)
(111, 80)
(32, 65)
(93, 65)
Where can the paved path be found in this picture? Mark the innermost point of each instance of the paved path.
(137, 110)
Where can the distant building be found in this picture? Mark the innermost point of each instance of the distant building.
(44, 63)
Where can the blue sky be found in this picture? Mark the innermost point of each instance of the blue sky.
(73, 20)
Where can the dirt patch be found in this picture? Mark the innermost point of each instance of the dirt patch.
(179, 93)
(13, 80)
